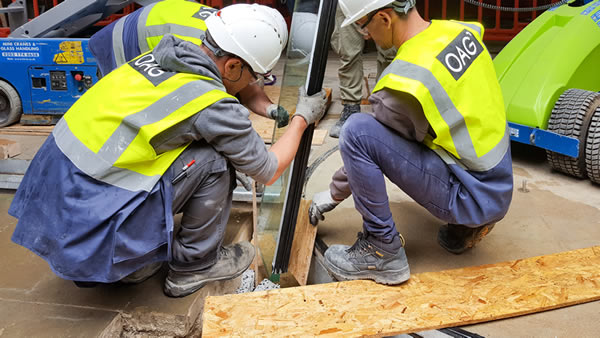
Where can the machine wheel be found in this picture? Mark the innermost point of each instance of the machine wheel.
(592, 149)
(10, 104)
(571, 116)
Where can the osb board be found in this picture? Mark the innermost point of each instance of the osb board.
(302, 247)
(427, 301)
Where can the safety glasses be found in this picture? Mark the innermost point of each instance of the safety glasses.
(369, 18)
(266, 77)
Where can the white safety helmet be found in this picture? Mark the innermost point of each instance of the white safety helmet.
(256, 33)
(356, 9)
(302, 34)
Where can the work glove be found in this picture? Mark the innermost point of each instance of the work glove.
(279, 114)
(244, 180)
(322, 202)
(311, 108)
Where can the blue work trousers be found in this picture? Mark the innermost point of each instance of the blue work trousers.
(370, 151)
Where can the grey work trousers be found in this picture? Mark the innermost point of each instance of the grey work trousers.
(348, 43)
(204, 197)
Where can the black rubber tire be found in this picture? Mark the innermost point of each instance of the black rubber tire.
(10, 104)
(592, 148)
(571, 116)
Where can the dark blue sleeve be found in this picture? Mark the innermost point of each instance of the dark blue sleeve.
(130, 35)
(101, 43)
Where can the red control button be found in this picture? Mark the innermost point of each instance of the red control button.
(78, 77)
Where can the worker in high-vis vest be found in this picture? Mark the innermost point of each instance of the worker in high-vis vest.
(142, 30)
(163, 134)
(438, 131)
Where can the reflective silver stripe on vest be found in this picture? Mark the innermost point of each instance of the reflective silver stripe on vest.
(141, 28)
(100, 165)
(473, 27)
(160, 30)
(492, 158)
(117, 40)
(453, 118)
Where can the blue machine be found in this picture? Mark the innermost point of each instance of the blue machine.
(42, 71)
(48, 75)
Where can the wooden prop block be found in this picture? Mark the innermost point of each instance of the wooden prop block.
(427, 301)
(303, 245)
(9, 148)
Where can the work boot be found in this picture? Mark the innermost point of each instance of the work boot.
(142, 274)
(349, 109)
(369, 258)
(233, 260)
(458, 238)
(85, 285)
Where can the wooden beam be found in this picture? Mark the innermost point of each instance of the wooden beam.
(427, 301)
(303, 245)
(3, 22)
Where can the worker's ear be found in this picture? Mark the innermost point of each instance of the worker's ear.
(233, 69)
(385, 17)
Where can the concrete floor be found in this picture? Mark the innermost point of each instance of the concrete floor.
(550, 213)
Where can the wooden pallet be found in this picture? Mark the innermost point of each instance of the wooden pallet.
(427, 301)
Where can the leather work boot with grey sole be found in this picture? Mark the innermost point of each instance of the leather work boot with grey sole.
(348, 110)
(366, 260)
(233, 260)
(456, 238)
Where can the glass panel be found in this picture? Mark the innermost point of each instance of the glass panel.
(297, 66)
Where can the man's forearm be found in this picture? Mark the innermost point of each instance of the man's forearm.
(255, 98)
(286, 147)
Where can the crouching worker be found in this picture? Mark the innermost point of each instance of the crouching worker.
(160, 135)
(438, 131)
(142, 30)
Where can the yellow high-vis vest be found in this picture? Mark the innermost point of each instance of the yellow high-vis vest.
(449, 70)
(108, 132)
(182, 18)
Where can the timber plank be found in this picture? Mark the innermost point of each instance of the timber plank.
(303, 245)
(19, 129)
(427, 301)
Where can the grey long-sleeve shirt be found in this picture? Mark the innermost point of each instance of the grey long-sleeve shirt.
(225, 124)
